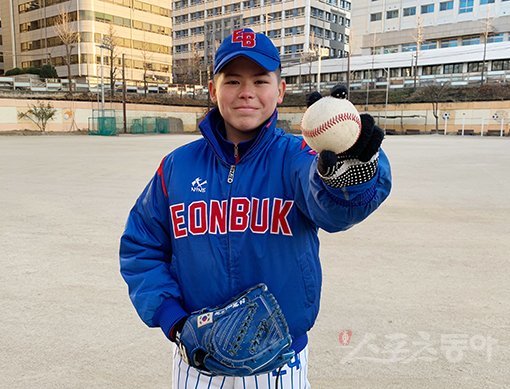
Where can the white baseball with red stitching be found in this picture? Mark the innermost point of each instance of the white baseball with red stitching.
(331, 124)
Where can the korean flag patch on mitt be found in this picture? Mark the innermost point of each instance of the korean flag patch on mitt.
(246, 336)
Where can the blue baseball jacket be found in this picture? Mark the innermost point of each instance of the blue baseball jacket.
(210, 225)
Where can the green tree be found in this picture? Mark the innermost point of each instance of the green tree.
(40, 113)
(48, 71)
(13, 72)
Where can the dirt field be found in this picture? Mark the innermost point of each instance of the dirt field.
(417, 296)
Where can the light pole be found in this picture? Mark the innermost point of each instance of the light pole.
(102, 82)
(268, 18)
(107, 47)
(387, 97)
(319, 70)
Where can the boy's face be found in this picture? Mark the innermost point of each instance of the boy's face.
(246, 95)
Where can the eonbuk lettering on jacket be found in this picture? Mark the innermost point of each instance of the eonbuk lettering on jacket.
(238, 215)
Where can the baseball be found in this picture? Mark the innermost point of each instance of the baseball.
(331, 124)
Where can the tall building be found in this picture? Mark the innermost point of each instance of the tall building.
(139, 29)
(296, 27)
(390, 26)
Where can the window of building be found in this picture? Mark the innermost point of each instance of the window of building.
(465, 6)
(449, 42)
(251, 20)
(337, 77)
(30, 26)
(474, 67)
(446, 5)
(392, 14)
(251, 4)
(407, 72)
(431, 69)
(181, 48)
(409, 11)
(501, 64)
(275, 15)
(317, 13)
(357, 75)
(395, 72)
(375, 16)
(197, 15)
(482, 2)
(294, 12)
(471, 40)
(291, 80)
(297, 30)
(274, 33)
(293, 49)
(452, 68)
(427, 8)
(495, 38)
(390, 49)
(345, 5)
(408, 47)
(428, 45)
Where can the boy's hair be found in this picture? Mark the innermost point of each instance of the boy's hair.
(278, 73)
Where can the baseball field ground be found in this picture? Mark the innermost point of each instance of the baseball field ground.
(417, 296)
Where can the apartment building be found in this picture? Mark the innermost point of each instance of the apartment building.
(139, 29)
(298, 28)
(391, 26)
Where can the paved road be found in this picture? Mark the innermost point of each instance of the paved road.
(419, 291)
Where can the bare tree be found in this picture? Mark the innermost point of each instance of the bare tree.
(110, 42)
(488, 27)
(70, 37)
(146, 64)
(309, 56)
(196, 64)
(434, 94)
(418, 39)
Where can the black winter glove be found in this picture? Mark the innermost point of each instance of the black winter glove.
(357, 164)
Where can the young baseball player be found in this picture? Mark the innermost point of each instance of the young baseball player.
(240, 207)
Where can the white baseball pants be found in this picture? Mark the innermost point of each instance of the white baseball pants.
(292, 376)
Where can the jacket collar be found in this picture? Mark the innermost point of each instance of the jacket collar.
(212, 128)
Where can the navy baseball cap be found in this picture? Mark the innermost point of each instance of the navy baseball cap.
(245, 42)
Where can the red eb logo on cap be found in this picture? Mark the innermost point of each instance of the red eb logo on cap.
(246, 38)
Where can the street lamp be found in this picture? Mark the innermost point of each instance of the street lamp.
(268, 18)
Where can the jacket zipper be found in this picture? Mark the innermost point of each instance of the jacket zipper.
(230, 178)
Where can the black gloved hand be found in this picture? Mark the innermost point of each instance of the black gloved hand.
(339, 91)
(357, 164)
(369, 141)
(312, 98)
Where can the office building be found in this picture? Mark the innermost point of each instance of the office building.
(391, 26)
(297, 28)
(141, 30)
